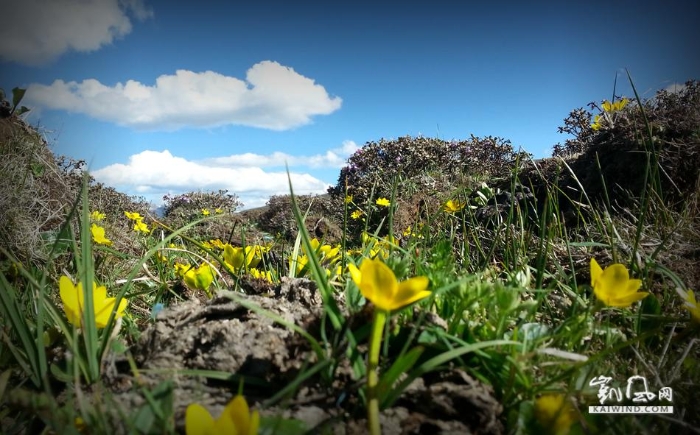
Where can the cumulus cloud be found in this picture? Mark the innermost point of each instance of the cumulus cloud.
(155, 173)
(272, 96)
(334, 158)
(35, 32)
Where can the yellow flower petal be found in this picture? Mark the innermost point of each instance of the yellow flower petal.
(198, 421)
(190, 278)
(596, 271)
(237, 410)
(355, 274)
(554, 413)
(627, 300)
(204, 276)
(254, 426)
(103, 312)
(691, 304)
(412, 290)
(72, 302)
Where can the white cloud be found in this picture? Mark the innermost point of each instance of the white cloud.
(153, 174)
(334, 158)
(34, 32)
(675, 87)
(272, 96)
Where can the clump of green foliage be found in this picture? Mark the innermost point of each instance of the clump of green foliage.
(181, 209)
(39, 188)
(277, 218)
(664, 129)
(373, 167)
(416, 170)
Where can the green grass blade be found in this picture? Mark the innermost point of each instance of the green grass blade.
(437, 361)
(12, 311)
(319, 273)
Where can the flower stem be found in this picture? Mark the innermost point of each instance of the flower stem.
(375, 345)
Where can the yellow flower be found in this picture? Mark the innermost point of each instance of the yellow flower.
(98, 235)
(616, 106)
(160, 257)
(253, 255)
(302, 261)
(200, 278)
(133, 216)
(379, 251)
(348, 199)
(690, 304)
(620, 104)
(97, 216)
(383, 202)
(217, 243)
(356, 214)
(378, 284)
(596, 123)
(334, 271)
(408, 232)
(235, 419)
(80, 424)
(218, 211)
(554, 413)
(330, 254)
(259, 274)
(613, 285)
(205, 212)
(73, 301)
(453, 206)
(139, 225)
(233, 256)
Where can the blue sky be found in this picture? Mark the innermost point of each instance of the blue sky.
(169, 97)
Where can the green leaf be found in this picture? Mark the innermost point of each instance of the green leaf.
(27, 355)
(429, 336)
(4, 377)
(439, 360)
(400, 366)
(118, 347)
(159, 403)
(650, 316)
(529, 332)
(279, 425)
(17, 95)
(22, 110)
(60, 374)
(37, 169)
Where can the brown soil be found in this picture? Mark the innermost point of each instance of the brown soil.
(223, 335)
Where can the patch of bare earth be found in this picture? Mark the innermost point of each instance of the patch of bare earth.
(223, 335)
